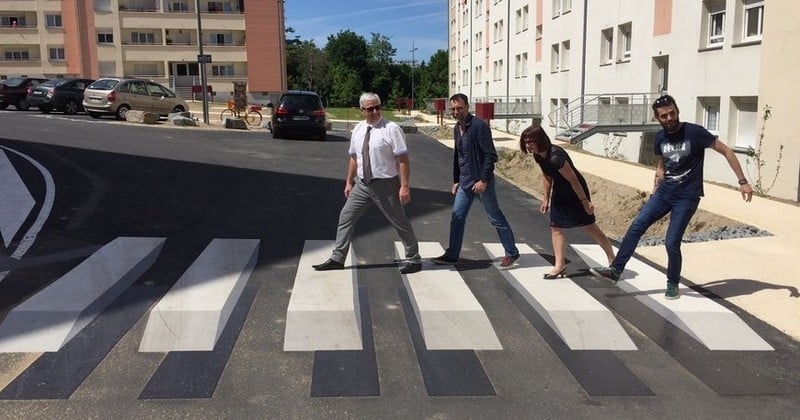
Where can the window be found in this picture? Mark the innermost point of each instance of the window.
(753, 19)
(12, 21)
(521, 65)
(561, 6)
(465, 77)
(57, 54)
(716, 28)
(746, 121)
(518, 21)
(105, 38)
(143, 38)
(606, 46)
(556, 8)
(564, 66)
(478, 73)
(102, 5)
(222, 70)
(179, 7)
(498, 30)
(711, 114)
(53, 21)
(555, 58)
(624, 53)
(525, 18)
(20, 55)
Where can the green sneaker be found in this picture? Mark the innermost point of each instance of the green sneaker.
(672, 291)
(605, 273)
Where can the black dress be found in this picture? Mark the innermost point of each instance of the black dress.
(566, 208)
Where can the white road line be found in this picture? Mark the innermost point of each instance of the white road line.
(448, 314)
(706, 321)
(324, 311)
(47, 205)
(16, 202)
(193, 314)
(53, 316)
(580, 320)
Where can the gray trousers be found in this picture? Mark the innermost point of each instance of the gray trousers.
(384, 193)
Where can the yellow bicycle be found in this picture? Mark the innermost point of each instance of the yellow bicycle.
(252, 114)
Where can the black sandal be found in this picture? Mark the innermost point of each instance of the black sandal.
(562, 273)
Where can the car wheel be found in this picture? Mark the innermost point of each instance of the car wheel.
(178, 109)
(3, 106)
(323, 135)
(122, 111)
(45, 109)
(95, 114)
(23, 105)
(276, 134)
(71, 107)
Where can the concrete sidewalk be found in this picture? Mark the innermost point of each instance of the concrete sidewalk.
(756, 274)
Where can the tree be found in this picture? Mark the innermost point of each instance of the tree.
(433, 79)
(348, 49)
(381, 54)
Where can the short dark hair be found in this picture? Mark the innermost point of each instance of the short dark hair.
(662, 101)
(460, 97)
(539, 137)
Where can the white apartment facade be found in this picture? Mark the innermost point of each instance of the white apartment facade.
(586, 62)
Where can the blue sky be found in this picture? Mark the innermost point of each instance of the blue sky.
(421, 22)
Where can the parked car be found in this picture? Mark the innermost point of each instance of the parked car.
(298, 112)
(14, 91)
(116, 96)
(64, 95)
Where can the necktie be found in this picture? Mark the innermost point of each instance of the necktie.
(365, 160)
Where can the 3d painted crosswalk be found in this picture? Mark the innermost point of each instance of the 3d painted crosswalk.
(328, 314)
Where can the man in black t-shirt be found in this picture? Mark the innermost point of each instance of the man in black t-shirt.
(677, 190)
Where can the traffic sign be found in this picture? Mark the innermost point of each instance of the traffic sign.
(205, 58)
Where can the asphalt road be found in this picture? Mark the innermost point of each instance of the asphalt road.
(191, 186)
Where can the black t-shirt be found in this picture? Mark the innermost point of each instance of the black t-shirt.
(683, 152)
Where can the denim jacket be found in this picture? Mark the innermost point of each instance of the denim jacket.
(481, 153)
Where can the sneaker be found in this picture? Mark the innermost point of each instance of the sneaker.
(445, 260)
(673, 292)
(507, 261)
(605, 273)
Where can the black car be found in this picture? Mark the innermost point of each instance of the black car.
(14, 91)
(298, 112)
(59, 95)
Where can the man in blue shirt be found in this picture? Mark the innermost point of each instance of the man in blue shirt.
(474, 157)
(677, 190)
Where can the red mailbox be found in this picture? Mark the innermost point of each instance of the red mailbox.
(484, 110)
(438, 104)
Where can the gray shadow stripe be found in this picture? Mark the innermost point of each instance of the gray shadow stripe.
(195, 374)
(57, 375)
(599, 372)
(349, 373)
(728, 373)
(447, 373)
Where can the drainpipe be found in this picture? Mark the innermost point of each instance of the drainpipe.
(508, 57)
(583, 56)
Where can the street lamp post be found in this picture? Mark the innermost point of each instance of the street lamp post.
(413, 49)
(203, 84)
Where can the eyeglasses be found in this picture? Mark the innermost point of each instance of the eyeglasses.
(372, 108)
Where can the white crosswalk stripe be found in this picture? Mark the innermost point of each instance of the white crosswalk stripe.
(706, 321)
(579, 319)
(192, 315)
(323, 312)
(449, 315)
(49, 319)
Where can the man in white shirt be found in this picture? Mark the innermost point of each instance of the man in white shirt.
(378, 173)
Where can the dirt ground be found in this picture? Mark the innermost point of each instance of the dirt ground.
(615, 205)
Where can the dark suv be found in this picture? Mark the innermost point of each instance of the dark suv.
(14, 91)
(59, 95)
(298, 112)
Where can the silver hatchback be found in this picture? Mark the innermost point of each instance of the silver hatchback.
(116, 96)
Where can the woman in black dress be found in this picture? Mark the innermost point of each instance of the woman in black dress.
(566, 196)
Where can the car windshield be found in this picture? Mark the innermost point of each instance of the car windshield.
(104, 84)
(14, 81)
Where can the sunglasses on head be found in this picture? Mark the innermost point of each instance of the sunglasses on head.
(664, 101)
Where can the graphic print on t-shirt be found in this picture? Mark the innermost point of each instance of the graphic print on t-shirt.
(674, 153)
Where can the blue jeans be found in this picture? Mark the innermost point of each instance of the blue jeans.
(462, 203)
(659, 204)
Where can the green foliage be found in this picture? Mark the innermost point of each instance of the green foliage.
(349, 65)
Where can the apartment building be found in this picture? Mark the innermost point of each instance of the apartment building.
(591, 68)
(152, 39)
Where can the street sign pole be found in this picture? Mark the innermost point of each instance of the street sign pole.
(202, 63)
